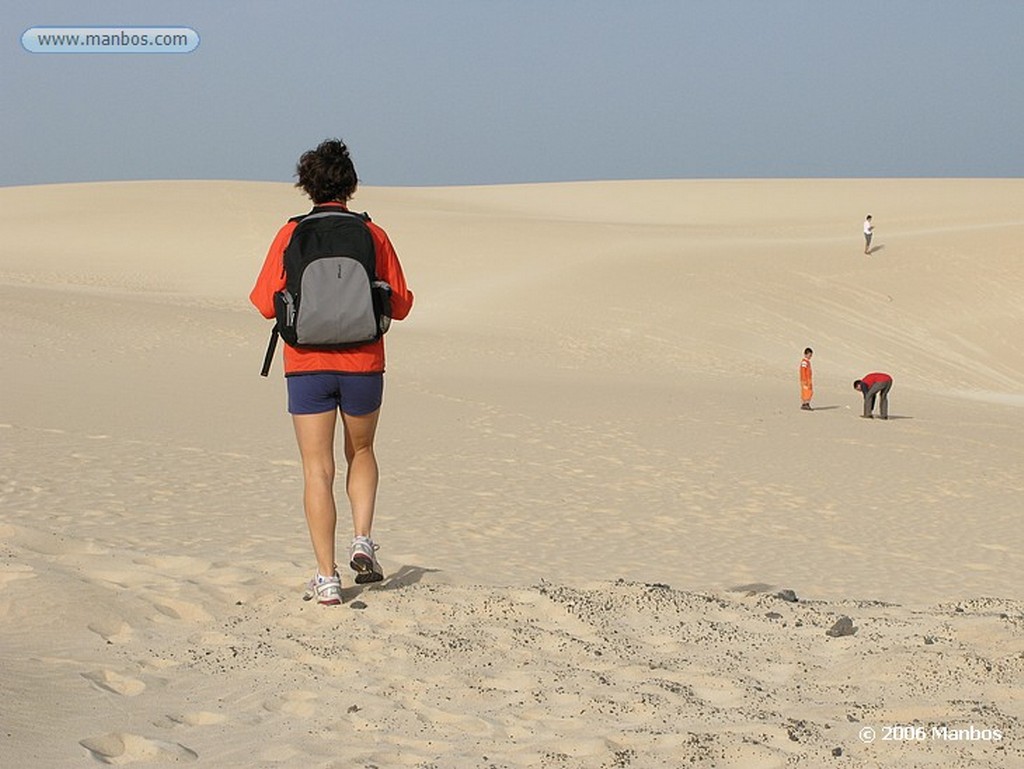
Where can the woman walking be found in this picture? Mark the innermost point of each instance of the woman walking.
(322, 383)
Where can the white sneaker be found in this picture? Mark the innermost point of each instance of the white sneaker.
(363, 560)
(326, 590)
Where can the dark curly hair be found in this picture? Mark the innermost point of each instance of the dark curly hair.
(326, 173)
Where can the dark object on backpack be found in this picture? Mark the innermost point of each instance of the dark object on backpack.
(332, 298)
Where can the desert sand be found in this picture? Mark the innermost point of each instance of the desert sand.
(612, 538)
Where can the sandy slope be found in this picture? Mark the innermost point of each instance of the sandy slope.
(595, 482)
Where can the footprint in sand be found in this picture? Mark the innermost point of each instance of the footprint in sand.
(120, 578)
(181, 610)
(199, 718)
(716, 690)
(109, 681)
(11, 572)
(178, 565)
(124, 748)
(301, 703)
(113, 631)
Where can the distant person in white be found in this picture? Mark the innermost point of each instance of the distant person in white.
(868, 228)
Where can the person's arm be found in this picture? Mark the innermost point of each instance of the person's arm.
(389, 269)
(271, 277)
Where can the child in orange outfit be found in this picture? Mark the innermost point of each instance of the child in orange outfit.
(806, 384)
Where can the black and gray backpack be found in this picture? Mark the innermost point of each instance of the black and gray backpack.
(332, 298)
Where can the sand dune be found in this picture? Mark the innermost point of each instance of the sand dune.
(596, 484)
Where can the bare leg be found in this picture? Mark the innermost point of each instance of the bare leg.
(361, 480)
(315, 436)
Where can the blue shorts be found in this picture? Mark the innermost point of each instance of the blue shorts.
(355, 394)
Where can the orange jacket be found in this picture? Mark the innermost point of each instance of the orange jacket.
(805, 374)
(365, 359)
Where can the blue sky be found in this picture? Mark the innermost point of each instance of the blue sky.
(440, 92)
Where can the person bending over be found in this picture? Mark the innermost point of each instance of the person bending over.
(872, 385)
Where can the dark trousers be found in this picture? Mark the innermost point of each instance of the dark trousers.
(881, 389)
